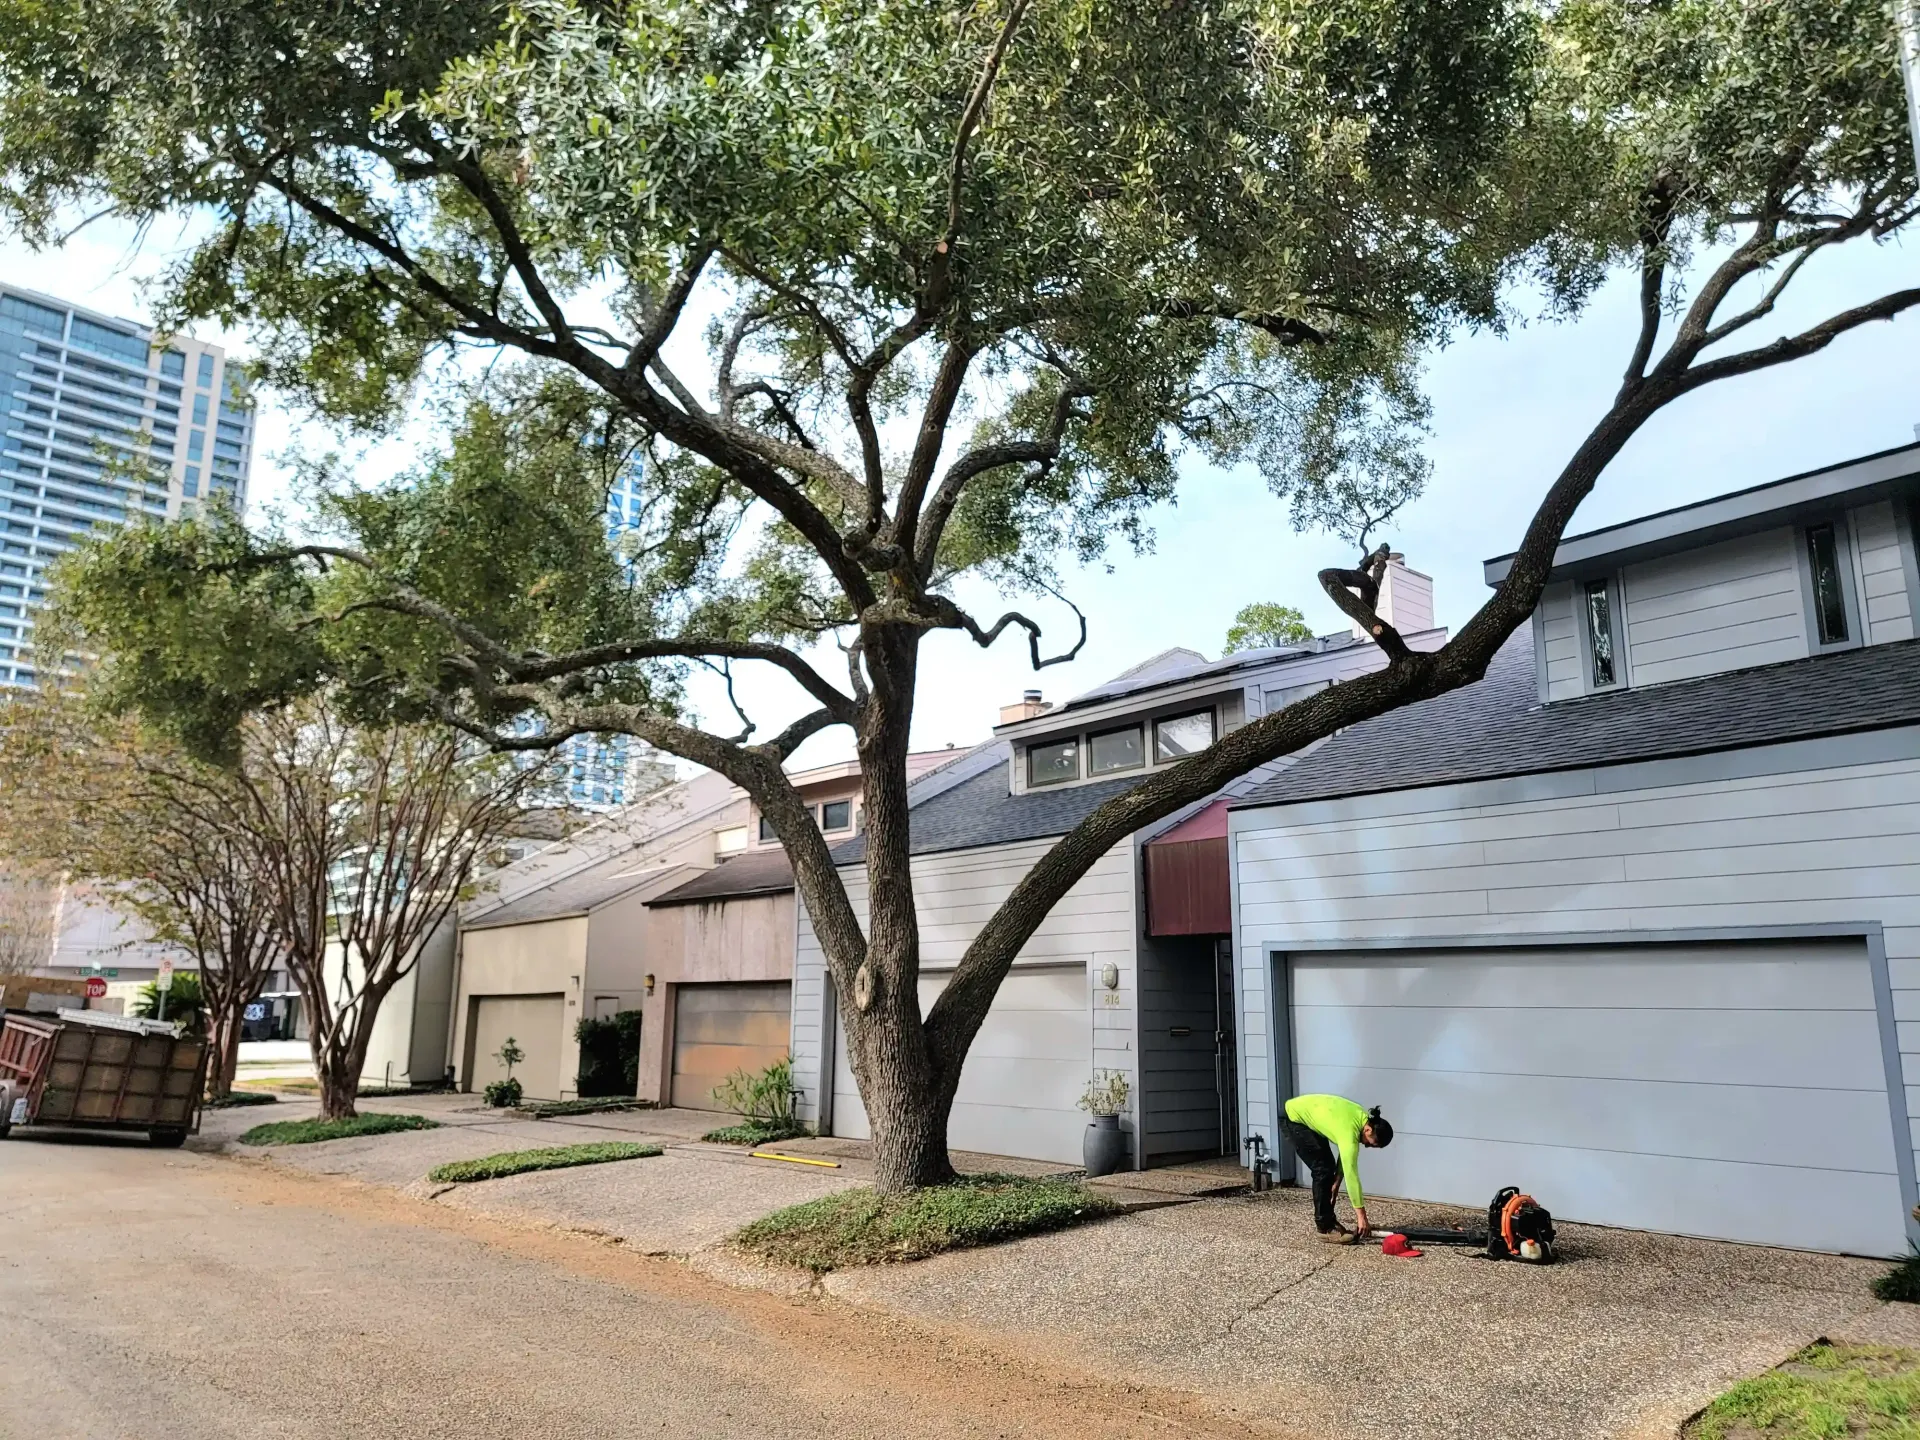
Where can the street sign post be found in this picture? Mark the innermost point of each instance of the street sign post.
(163, 982)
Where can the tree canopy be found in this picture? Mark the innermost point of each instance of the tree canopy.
(1266, 623)
(884, 295)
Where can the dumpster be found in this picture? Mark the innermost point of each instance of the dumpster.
(85, 1070)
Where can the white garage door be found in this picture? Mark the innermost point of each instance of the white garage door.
(721, 1028)
(1020, 1088)
(1736, 1092)
(535, 1023)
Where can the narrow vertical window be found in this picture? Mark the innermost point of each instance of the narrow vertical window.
(1829, 601)
(1600, 632)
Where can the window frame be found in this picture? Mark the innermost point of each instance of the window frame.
(1138, 728)
(835, 829)
(1212, 712)
(1075, 740)
(1843, 561)
(1616, 624)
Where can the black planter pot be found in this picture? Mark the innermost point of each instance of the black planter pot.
(1105, 1147)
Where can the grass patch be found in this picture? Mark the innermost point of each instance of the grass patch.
(560, 1157)
(863, 1227)
(1902, 1282)
(756, 1132)
(1825, 1390)
(306, 1132)
(551, 1109)
(242, 1097)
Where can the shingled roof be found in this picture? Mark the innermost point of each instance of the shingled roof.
(578, 894)
(979, 811)
(1499, 727)
(759, 872)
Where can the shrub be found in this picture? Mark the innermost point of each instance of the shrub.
(502, 1093)
(559, 1157)
(307, 1132)
(609, 1056)
(756, 1132)
(185, 1002)
(864, 1227)
(1902, 1282)
(242, 1097)
(766, 1097)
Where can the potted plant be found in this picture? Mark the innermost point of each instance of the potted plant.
(1105, 1098)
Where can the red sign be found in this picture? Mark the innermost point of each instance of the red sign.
(96, 988)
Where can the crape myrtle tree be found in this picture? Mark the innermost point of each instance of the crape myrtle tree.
(892, 294)
(368, 837)
(107, 800)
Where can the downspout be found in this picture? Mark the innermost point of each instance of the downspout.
(453, 1003)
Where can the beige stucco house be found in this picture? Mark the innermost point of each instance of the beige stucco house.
(614, 919)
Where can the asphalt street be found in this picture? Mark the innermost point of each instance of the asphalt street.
(149, 1293)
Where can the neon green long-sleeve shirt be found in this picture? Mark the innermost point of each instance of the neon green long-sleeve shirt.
(1341, 1121)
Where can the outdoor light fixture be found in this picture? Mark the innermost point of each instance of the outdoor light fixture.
(649, 984)
(1110, 976)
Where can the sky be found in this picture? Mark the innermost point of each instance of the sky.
(1507, 412)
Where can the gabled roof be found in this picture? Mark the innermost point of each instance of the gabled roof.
(1177, 667)
(581, 894)
(979, 811)
(1499, 727)
(1741, 512)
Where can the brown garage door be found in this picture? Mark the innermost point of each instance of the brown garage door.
(718, 1029)
(537, 1024)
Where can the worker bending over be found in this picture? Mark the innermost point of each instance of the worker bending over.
(1318, 1126)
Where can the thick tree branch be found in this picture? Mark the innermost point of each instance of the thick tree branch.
(666, 315)
(1044, 449)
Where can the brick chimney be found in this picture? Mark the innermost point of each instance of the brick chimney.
(1406, 598)
(1030, 704)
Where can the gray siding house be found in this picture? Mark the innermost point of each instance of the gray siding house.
(1124, 975)
(1633, 923)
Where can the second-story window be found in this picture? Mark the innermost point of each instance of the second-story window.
(1829, 599)
(766, 830)
(1599, 614)
(1179, 736)
(1052, 763)
(836, 815)
(1115, 750)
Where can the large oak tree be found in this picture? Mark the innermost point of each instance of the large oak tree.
(978, 280)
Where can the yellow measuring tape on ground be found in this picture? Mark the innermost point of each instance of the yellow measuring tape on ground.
(792, 1159)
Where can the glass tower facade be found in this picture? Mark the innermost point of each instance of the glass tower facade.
(608, 772)
(100, 425)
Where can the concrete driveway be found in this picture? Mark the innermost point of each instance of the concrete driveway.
(1237, 1299)
(685, 1200)
(1231, 1300)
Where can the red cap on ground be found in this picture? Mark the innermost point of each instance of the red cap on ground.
(1397, 1245)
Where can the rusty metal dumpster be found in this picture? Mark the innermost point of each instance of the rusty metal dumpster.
(89, 1071)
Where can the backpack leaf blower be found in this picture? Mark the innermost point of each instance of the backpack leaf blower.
(1518, 1228)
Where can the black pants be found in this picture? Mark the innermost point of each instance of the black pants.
(1317, 1155)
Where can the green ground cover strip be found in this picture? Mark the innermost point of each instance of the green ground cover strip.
(756, 1132)
(1825, 1391)
(558, 1157)
(864, 1227)
(307, 1132)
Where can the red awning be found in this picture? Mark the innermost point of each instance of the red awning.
(1187, 889)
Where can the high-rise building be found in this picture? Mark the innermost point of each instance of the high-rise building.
(80, 391)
